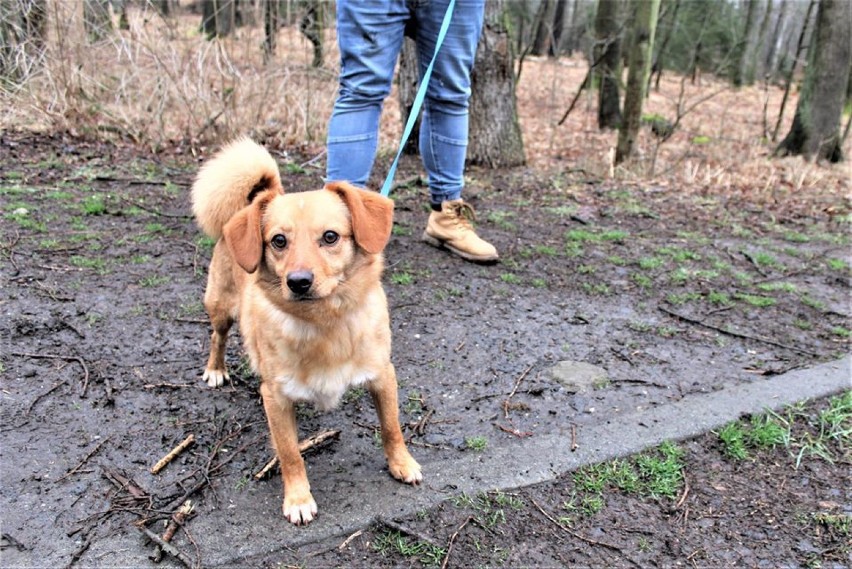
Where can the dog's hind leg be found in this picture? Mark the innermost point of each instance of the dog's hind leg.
(401, 464)
(215, 373)
(220, 301)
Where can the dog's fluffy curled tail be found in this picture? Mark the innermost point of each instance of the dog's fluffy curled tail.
(229, 181)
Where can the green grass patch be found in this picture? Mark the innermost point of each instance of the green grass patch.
(400, 230)
(93, 205)
(777, 287)
(642, 280)
(502, 219)
(152, 281)
(720, 298)
(678, 254)
(476, 443)
(812, 302)
(841, 331)
(394, 542)
(756, 300)
(585, 236)
(402, 278)
(95, 263)
(682, 298)
(837, 265)
(650, 263)
(833, 422)
(510, 278)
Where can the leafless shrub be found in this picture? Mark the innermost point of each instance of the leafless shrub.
(161, 81)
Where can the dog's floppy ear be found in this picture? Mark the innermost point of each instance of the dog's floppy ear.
(372, 215)
(243, 234)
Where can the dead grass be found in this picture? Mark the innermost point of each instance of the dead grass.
(162, 83)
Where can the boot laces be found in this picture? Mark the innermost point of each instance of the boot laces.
(464, 215)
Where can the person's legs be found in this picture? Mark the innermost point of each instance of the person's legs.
(444, 125)
(370, 35)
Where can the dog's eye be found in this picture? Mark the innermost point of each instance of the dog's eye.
(279, 241)
(330, 238)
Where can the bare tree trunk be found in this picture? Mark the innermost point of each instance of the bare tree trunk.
(271, 26)
(560, 21)
(756, 62)
(311, 26)
(577, 15)
(218, 17)
(544, 28)
(495, 134)
(789, 78)
(408, 79)
(659, 60)
(777, 34)
(96, 19)
(608, 52)
(641, 49)
(739, 71)
(816, 125)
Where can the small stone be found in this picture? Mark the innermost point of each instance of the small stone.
(578, 377)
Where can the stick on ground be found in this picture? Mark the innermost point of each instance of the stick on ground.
(172, 454)
(304, 446)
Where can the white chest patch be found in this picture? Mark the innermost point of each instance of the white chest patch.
(324, 389)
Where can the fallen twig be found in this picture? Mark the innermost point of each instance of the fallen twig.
(304, 446)
(178, 518)
(167, 547)
(172, 454)
(84, 384)
(582, 537)
(43, 395)
(574, 445)
(515, 389)
(84, 461)
(513, 431)
(737, 334)
(349, 539)
(452, 541)
(407, 531)
(420, 426)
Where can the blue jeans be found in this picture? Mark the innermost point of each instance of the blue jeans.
(370, 34)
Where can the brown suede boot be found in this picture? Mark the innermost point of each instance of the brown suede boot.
(451, 229)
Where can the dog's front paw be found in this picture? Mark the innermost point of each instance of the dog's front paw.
(300, 511)
(215, 377)
(405, 469)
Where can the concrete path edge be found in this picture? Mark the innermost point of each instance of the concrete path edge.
(542, 458)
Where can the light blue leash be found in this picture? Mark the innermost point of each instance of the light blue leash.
(418, 100)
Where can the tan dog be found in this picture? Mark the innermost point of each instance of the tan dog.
(302, 274)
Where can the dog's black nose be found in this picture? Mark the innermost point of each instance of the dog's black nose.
(300, 281)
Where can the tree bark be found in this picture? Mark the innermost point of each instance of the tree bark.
(792, 69)
(815, 132)
(544, 28)
(271, 25)
(641, 48)
(659, 60)
(739, 72)
(775, 40)
(408, 79)
(608, 53)
(311, 26)
(495, 134)
(218, 18)
(560, 21)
